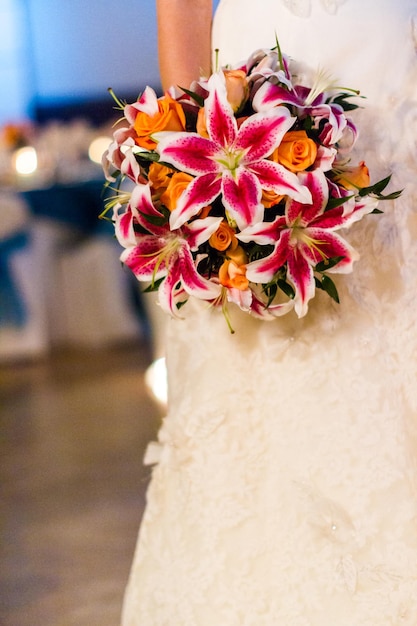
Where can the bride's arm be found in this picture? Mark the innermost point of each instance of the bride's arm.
(184, 40)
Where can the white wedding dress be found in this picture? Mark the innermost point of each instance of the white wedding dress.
(284, 491)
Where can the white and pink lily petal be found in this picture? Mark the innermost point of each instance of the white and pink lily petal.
(164, 253)
(232, 162)
(241, 297)
(139, 211)
(147, 259)
(124, 225)
(130, 167)
(145, 212)
(171, 299)
(353, 210)
(146, 103)
(270, 313)
(347, 141)
(182, 274)
(114, 156)
(270, 95)
(299, 215)
(263, 64)
(153, 258)
(325, 158)
(335, 122)
(120, 157)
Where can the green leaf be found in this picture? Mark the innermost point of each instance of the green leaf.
(286, 288)
(329, 287)
(179, 305)
(342, 101)
(279, 51)
(146, 156)
(153, 286)
(154, 219)
(376, 188)
(335, 202)
(259, 252)
(327, 264)
(270, 291)
(195, 96)
(391, 196)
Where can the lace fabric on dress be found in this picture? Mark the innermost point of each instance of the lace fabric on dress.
(286, 485)
(302, 8)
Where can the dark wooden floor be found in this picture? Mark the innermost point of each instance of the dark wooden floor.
(74, 429)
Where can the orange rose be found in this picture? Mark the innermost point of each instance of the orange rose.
(204, 211)
(238, 255)
(170, 116)
(296, 151)
(159, 176)
(223, 238)
(201, 123)
(354, 177)
(233, 276)
(237, 88)
(270, 198)
(177, 185)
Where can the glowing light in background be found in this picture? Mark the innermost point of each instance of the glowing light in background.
(25, 161)
(156, 380)
(97, 147)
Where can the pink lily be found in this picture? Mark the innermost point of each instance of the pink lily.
(312, 101)
(231, 161)
(305, 236)
(147, 103)
(119, 156)
(164, 254)
(261, 311)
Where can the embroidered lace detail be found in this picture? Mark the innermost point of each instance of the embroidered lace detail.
(286, 485)
(302, 8)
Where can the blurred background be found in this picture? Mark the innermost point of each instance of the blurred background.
(57, 60)
(76, 336)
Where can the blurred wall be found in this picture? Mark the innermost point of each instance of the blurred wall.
(54, 50)
(15, 91)
(81, 47)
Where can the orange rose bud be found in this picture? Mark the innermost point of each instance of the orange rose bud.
(223, 238)
(238, 255)
(170, 116)
(354, 177)
(296, 151)
(159, 176)
(177, 185)
(204, 211)
(233, 276)
(201, 123)
(270, 198)
(237, 88)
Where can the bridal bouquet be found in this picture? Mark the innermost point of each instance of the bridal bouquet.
(236, 189)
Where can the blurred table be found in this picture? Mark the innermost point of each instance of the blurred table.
(68, 276)
(77, 205)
